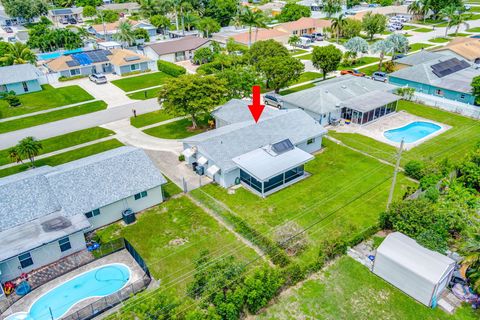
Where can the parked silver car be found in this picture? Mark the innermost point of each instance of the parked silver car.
(273, 100)
(380, 76)
(98, 78)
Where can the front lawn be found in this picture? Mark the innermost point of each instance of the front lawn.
(459, 34)
(149, 118)
(179, 129)
(452, 144)
(296, 89)
(65, 157)
(141, 82)
(422, 30)
(305, 57)
(145, 94)
(439, 40)
(358, 63)
(48, 98)
(371, 69)
(348, 290)
(419, 46)
(296, 52)
(39, 119)
(308, 76)
(65, 141)
(405, 27)
(158, 235)
(344, 195)
(477, 29)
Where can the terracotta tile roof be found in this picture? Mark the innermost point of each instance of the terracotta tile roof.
(468, 48)
(303, 23)
(109, 27)
(120, 57)
(59, 64)
(177, 45)
(388, 10)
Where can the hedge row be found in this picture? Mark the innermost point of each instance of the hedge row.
(170, 68)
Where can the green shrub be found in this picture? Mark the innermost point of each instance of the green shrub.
(12, 99)
(433, 240)
(261, 287)
(63, 78)
(131, 73)
(414, 169)
(170, 68)
(293, 273)
(429, 181)
(181, 158)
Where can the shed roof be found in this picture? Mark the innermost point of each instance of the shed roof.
(176, 45)
(237, 110)
(18, 73)
(407, 253)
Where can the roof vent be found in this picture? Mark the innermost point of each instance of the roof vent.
(56, 224)
(344, 87)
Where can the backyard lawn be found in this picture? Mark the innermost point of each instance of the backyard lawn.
(453, 143)
(142, 81)
(145, 94)
(348, 290)
(149, 118)
(176, 220)
(65, 141)
(39, 119)
(48, 98)
(179, 129)
(344, 195)
(65, 157)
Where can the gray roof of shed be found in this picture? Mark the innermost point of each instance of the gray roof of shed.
(223, 144)
(328, 95)
(18, 73)
(236, 110)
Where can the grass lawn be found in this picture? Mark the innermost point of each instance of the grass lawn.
(371, 69)
(145, 94)
(477, 29)
(142, 81)
(454, 143)
(358, 63)
(39, 119)
(297, 52)
(48, 98)
(427, 21)
(296, 89)
(66, 157)
(422, 30)
(177, 218)
(149, 118)
(472, 16)
(458, 34)
(346, 192)
(439, 40)
(170, 189)
(474, 9)
(305, 57)
(419, 46)
(308, 76)
(405, 27)
(179, 129)
(65, 141)
(348, 290)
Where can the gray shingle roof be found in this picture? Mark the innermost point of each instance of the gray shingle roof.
(76, 187)
(19, 73)
(223, 144)
(370, 101)
(236, 110)
(177, 45)
(419, 57)
(328, 95)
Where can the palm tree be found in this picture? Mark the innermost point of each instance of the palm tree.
(252, 19)
(14, 156)
(426, 6)
(294, 41)
(399, 43)
(337, 24)
(149, 7)
(208, 25)
(125, 33)
(459, 19)
(449, 13)
(382, 47)
(415, 8)
(29, 147)
(189, 20)
(471, 251)
(18, 53)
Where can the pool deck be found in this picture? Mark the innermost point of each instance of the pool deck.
(23, 305)
(395, 120)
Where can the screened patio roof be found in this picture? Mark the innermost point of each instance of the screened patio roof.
(264, 164)
(370, 101)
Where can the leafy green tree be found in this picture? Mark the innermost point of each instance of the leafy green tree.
(221, 10)
(189, 20)
(356, 45)
(382, 47)
(262, 286)
(160, 22)
(28, 148)
(25, 9)
(448, 12)
(149, 8)
(415, 8)
(292, 12)
(203, 55)
(279, 72)
(125, 33)
(332, 7)
(233, 47)
(240, 80)
(471, 252)
(351, 28)
(374, 24)
(399, 43)
(192, 95)
(476, 89)
(294, 41)
(326, 59)
(141, 34)
(107, 16)
(89, 11)
(265, 49)
(17, 53)
(49, 39)
(208, 26)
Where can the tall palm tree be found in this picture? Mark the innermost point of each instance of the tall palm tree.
(149, 8)
(252, 19)
(458, 20)
(337, 24)
(189, 20)
(426, 6)
(382, 47)
(294, 42)
(29, 148)
(18, 53)
(449, 13)
(125, 33)
(415, 8)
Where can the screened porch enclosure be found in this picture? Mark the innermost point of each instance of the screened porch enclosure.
(363, 117)
(273, 184)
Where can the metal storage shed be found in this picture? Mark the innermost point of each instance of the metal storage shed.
(417, 271)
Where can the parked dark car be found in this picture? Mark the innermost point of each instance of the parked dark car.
(8, 29)
(72, 21)
(398, 56)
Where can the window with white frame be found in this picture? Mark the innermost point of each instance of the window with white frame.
(140, 195)
(25, 260)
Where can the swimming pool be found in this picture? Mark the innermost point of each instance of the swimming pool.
(98, 282)
(412, 132)
(53, 55)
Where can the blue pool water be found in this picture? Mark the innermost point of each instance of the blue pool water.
(412, 132)
(98, 282)
(53, 55)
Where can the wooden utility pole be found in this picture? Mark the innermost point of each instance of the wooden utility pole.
(395, 171)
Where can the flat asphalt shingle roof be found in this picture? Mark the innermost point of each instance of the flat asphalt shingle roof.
(18, 73)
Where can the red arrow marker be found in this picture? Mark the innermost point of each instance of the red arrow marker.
(256, 108)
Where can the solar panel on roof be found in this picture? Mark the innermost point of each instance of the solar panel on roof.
(282, 146)
(72, 63)
(82, 58)
(450, 66)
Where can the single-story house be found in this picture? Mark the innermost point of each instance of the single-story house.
(304, 26)
(174, 50)
(264, 157)
(419, 272)
(467, 48)
(313, 5)
(107, 31)
(448, 77)
(20, 78)
(125, 7)
(63, 14)
(271, 8)
(358, 99)
(237, 110)
(416, 58)
(262, 35)
(388, 11)
(117, 61)
(46, 211)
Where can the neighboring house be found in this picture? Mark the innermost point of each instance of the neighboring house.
(467, 48)
(261, 35)
(5, 19)
(357, 99)
(126, 7)
(448, 77)
(421, 273)
(118, 61)
(58, 16)
(20, 78)
(304, 26)
(388, 11)
(271, 8)
(313, 5)
(109, 45)
(179, 49)
(107, 31)
(265, 156)
(416, 58)
(45, 211)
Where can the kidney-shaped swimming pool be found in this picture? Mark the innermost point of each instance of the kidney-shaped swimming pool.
(98, 282)
(412, 132)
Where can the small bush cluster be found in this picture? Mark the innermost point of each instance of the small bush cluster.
(63, 78)
(170, 68)
(11, 98)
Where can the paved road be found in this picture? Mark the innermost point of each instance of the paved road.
(93, 119)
